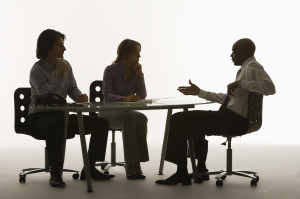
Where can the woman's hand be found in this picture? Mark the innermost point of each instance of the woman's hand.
(130, 98)
(138, 69)
(83, 98)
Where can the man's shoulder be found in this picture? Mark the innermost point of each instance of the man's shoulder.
(39, 65)
(255, 65)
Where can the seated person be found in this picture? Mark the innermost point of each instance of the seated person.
(123, 81)
(231, 117)
(54, 74)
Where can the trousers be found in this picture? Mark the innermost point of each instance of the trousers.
(134, 132)
(198, 124)
(50, 126)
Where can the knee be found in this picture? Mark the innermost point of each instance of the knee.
(104, 123)
(176, 118)
(100, 123)
(142, 118)
(130, 118)
(57, 124)
(177, 126)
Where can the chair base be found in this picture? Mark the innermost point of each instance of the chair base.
(222, 174)
(105, 166)
(22, 175)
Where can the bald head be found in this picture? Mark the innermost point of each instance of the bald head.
(242, 50)
(245, 46)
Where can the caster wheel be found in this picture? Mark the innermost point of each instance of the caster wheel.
(253, 183)
(75, 176)
(106, 172)
(223, 177)
(22, 179)
(219, 183)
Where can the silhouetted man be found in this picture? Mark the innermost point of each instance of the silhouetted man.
(54, 74)
(231, 117)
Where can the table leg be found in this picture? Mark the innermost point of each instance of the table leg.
(66, 117)
(84, 152)
(164, 147)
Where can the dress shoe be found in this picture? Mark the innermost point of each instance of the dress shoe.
(202, 177)
(131, 177)
(140, 176)
(56, 181)
(176, 179)
(130, 172)
(95, 174)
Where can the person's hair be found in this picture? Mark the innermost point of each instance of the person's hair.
(126, 47)
(246, 46)
(46, 41)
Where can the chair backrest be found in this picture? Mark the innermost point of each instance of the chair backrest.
(22, 101)
(96, 94)
(255, 104)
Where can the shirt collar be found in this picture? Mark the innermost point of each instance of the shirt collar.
(247, 61)
(47, 65)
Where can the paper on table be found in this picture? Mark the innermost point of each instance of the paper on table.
(152, 100)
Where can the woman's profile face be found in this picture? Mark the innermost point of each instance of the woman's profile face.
(133, 58)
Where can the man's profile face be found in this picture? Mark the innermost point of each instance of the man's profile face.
(58, 48)
(237, 56)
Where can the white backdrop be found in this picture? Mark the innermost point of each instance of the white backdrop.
(181, 40)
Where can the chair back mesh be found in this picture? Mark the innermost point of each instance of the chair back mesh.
(255, 103)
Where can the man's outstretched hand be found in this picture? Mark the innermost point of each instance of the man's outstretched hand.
(189, 90)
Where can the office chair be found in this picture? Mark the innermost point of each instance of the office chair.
(96, 95)
(22, 101)
(255, 102)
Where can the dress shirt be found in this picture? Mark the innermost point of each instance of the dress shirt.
(115, 86)
(253, 78)
(44, 78)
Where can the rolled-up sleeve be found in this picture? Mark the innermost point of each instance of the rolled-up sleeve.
(211, 96)
(259, 82)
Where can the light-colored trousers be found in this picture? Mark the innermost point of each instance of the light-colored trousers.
(134, 129)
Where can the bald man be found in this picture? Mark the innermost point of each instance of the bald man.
(231, 117)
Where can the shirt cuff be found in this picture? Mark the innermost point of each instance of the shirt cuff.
(202, 93)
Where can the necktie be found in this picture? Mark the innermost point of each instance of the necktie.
(227, 99)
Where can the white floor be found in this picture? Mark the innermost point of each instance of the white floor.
(277, 165)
